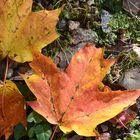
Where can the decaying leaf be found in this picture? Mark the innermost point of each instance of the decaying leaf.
(124, 118)
(11, 109)
(21, 30)
(76, 99)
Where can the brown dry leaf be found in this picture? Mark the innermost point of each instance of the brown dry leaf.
(22, 30)
(76, 99)
(11, 109)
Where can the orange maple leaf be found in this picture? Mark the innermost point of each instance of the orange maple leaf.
(76, 99)
(12, 107)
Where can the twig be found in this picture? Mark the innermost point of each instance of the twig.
(40, 5)
(67, 60)
(123, 124)
(54, 131)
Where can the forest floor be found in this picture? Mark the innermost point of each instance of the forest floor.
(114, 25)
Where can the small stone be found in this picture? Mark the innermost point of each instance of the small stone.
(84, 35)
(78, 47)
(130, 79)
(9, 73)
(105, 18)
(73, 25)
(90, 2)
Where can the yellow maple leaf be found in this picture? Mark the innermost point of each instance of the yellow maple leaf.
(22, 30)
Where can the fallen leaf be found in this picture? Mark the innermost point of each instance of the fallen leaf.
(124, 118)
(22, 30)
(11, 109)
(76, 99)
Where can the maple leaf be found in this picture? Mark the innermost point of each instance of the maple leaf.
(21, 29)
(76, 99)
(11, 108)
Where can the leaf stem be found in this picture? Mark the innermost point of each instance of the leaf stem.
(54, 131)
(123, 124)
(4, 80)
